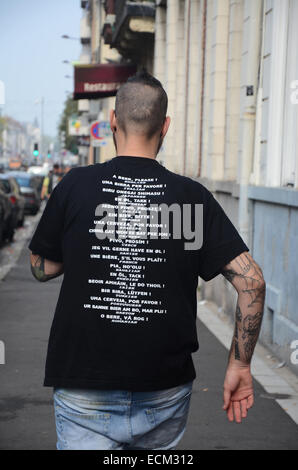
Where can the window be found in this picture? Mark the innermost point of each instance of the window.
(25, 182)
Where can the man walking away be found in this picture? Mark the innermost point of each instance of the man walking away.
(132, 238)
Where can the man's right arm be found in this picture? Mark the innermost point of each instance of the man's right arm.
(43, 269)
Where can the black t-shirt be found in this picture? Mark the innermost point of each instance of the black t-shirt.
(126, 313)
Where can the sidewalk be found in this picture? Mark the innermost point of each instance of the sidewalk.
(26, 414)
(268, 426)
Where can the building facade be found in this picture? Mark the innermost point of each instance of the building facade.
(17, 140)
(230, 68)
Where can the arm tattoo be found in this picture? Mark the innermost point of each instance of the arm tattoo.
(250, 332)
(236, 343)
(246, 334)
(38, 270)
(257, 295)
(249, 310)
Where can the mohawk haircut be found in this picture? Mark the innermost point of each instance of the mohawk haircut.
(141, 105)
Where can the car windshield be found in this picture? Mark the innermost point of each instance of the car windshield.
(25, 182)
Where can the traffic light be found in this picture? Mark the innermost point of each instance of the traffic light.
(49, 154)
(35, 151)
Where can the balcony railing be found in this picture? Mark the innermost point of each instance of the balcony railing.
(129, 25)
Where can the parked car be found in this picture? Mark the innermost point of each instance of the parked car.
(10, 186)
(5, 216)
(2, 218)
(29, 188)
(39, 182)
(40, 172)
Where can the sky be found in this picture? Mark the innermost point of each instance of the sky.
(31, 56)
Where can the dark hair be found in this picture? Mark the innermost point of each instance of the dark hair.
(141, 105)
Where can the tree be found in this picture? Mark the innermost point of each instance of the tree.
(70, 110)
(2, 126)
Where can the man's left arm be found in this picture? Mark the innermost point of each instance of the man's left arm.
(247, 278)
(44, 269)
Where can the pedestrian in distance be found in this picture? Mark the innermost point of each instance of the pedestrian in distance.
(132, 239)
(57, 174)
(47, 186)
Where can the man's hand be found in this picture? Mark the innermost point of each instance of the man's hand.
(238, 392)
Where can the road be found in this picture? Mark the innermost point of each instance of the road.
(26, 413)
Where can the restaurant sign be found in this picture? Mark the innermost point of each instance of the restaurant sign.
(100, 80)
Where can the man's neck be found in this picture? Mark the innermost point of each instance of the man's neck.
(136, 147)
(135, 154)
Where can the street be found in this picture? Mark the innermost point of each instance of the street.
(26, 412)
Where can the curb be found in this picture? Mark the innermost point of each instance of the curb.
(10, 253)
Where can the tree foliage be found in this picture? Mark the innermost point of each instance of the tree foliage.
(70, 110)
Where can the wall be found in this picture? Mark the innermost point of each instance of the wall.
(275, 246)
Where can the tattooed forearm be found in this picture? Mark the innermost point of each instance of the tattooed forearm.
(247, 278)
(43, 270)
(236, 344)
(250, 332)
(246, 333)
(257, 295)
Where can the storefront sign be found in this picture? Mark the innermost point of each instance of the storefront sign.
(100, 81)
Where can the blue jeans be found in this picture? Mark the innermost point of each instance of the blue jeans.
(120, 420)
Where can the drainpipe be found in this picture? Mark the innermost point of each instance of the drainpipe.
(255, 177)
(249, 115)
(202, 86)
(187, 42)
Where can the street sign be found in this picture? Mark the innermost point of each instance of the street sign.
(100, 131)
(77, 127)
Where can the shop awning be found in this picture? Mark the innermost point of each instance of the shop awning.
(100, 81)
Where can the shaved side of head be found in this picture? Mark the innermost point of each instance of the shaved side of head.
(141, 106)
